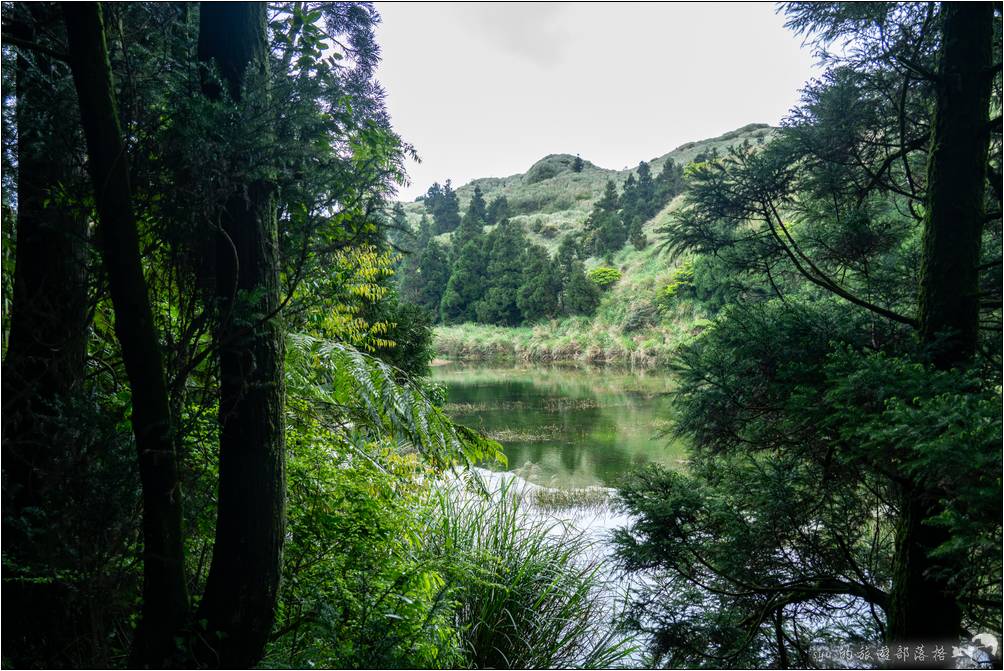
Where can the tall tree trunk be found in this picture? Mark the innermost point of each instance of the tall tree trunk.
(165, 595)
(956, 185)
(923, 606)
(44, 362)
(243, 582)
(45, 354)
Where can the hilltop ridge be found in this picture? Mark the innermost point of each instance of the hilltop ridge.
(551, 200)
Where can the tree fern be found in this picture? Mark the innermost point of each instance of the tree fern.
(360, 394)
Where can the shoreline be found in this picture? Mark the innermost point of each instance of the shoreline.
(550, 344)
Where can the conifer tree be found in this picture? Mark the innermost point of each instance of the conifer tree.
(505, 275)
(577, 164)
(647, 206)
(579, 295)
(424, 233)
(441, 202)
(669, 182)
(498, 210)
(472, 225)
(477, 207)
(568, 251)
(539, 291)
(433, 273)
(399, 233)
(466, 285)
(605, 230)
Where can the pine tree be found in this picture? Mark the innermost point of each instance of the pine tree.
(505, 275)
(424, 233)
(579, 295)
(431, 278)
(498, 210)
(399, 233)
(647, 205)
(477, 207)
(537, 297)
(604, 227)
(466, 285)
(441, 202)
(577, 164)
(669, 182)
(472, 225)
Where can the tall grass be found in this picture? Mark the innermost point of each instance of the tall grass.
(527, 593)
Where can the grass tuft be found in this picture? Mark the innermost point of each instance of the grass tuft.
(527, 593)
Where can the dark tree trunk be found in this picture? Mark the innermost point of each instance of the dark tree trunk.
(44, 362)
(923, 605)
(45, 353)
(243, 582)
(165, 595)
(956, 189)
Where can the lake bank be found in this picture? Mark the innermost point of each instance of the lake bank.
(574, 340)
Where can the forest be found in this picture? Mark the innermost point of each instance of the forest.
(247, 390)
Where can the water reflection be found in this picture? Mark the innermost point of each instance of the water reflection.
(566, 426)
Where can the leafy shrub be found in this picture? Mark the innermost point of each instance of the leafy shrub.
(680, 286)
(604, 276)
(358, 588)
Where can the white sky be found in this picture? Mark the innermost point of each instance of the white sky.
(485, 90)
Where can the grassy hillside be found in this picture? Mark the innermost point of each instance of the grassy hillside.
(630, 327)
(550, 200)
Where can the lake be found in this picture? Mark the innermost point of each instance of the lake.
(564, 426)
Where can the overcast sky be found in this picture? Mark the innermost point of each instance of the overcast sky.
(485, 90)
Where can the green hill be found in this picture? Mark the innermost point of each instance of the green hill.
(550, 201)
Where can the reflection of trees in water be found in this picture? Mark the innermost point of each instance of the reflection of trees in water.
(574, 433)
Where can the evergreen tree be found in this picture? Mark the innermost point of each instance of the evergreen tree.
(604, 227)
(424, 233)
(579, 296)
(498, 210)
(467, 283)
(399, 233)
(870, 341)
(239, 601)
(431, 278)
(477, 207)
(472, 225)
(441, 202)
(569, 249)
(577, 164)
(647, 205)
(165, 589)
(407, 270)
(538, 294)
(505, 275)
(629, 200)
(669, 182)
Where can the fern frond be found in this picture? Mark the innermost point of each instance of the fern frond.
(363, 395)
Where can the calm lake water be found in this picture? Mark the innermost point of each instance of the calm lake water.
(566, 427)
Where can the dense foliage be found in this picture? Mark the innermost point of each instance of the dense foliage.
(487, 278)
(845, 476)
(217, 446)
